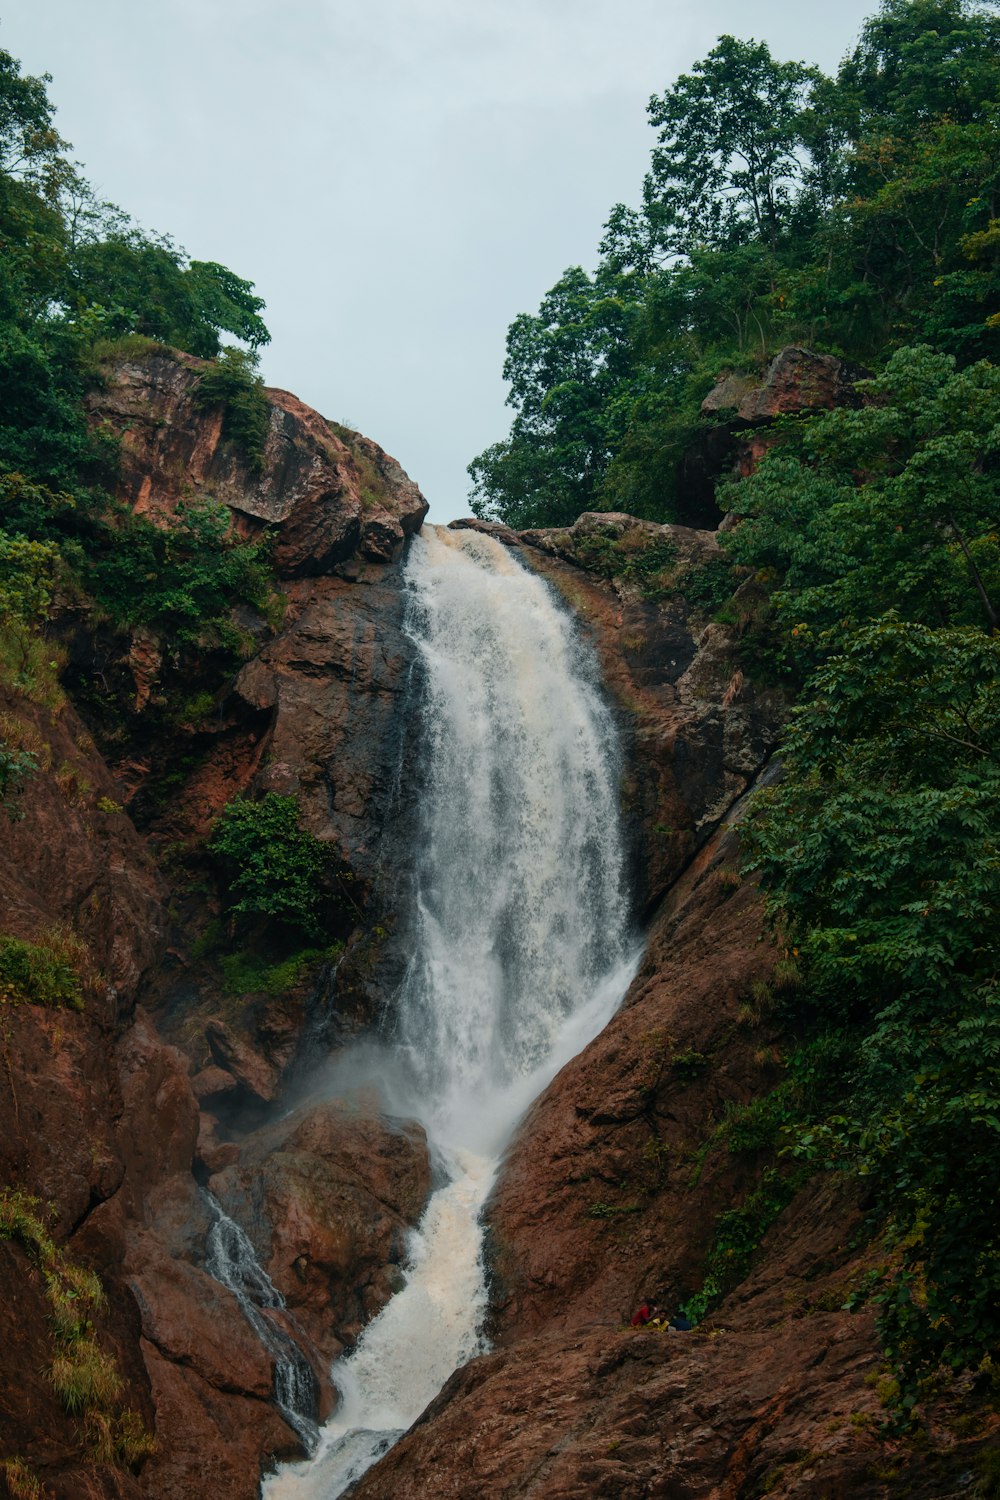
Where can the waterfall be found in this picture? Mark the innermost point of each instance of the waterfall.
(521, 949)
(231, 1259)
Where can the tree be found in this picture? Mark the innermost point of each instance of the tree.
(138, 283)
(922, 60)
(28, 139)
(278, 869)
(728, 158)
(568, 366)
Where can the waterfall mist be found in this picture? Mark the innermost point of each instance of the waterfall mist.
(520, 950)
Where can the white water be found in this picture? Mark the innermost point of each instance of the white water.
(521, 951)
(232, 1260)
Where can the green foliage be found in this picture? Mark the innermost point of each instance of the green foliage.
(38, 974)
(28, 575)
(881, 853)
(76, 277)
(278, 869)
(636, 557)
(709, 585)
(921, 60)
(612, 1211)
(21, 1480)
(855, 213)
(727, 160)
(565, 367)
(232, 382)
(738, 1233)
(85, 1377)
(918, 534)
(249, 974)
(16, 767)
(181, 580)
(881, 842)
(30, 663)
(875, 531)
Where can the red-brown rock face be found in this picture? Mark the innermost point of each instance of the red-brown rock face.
(97, 1115)
(334, 493)
(797, 380)
(328, 1195)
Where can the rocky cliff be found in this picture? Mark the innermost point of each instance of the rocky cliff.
(109, 1133)
(164, 1072)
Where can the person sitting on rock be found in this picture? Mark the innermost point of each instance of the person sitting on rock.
(644, 1314)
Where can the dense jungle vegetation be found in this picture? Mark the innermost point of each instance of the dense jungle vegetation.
(860, 216)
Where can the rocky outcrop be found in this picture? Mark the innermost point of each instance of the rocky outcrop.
(737, 416)
(334, 494)
(99, 1118)
(796, 380)
(328, 1195)
(316, 710)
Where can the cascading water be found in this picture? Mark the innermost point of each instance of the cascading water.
(231, 1259)
(521, 950)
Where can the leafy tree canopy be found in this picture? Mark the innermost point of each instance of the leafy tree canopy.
(76, 272)
(856, 213)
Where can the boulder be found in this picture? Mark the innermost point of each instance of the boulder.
(252, 1073)
(328, 1195)
(796, 380)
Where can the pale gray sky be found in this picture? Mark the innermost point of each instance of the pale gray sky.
(399, 178)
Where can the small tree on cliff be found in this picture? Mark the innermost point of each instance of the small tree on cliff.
(276, 868)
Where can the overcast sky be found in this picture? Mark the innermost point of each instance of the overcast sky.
(399, 178)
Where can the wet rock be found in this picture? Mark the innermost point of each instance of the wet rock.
(251, 1072)
(195, 1322)
(328, 1196)
(216, 1443)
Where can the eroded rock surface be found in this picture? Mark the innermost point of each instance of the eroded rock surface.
(328, 1195)
(334, 493)
(796, 380)
(99, 1117)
